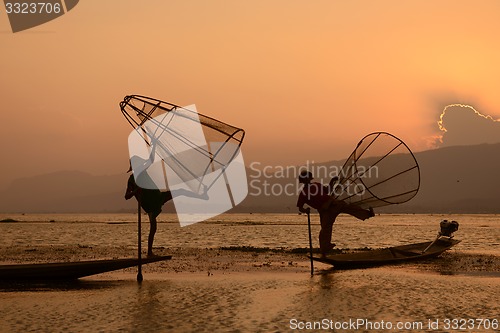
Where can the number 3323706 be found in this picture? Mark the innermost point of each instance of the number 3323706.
(32, 8)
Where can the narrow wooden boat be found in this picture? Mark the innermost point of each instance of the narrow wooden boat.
(69, 270)
(390, 255)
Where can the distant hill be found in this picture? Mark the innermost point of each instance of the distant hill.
(462, 179)
(64, 192)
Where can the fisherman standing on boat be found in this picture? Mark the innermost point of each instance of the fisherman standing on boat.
(318, 196)
(152, 202)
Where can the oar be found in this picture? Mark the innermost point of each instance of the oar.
(139, 266)
(430, 245)
(310, 242)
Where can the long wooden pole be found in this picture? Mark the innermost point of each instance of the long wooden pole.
(430, 245)
(310, 242)
(139, 256)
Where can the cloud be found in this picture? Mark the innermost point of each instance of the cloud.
(462, 124)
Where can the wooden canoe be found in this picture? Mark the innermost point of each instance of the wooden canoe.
(391, 255)
(69, 270)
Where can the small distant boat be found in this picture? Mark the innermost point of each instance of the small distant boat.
(69, 270)
(390, 255)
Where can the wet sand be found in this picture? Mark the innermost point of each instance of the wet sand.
(250, 290)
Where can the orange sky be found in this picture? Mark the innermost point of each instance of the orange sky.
(305, 79)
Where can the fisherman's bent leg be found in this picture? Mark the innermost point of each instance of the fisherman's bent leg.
(356, 211)
(152, 231)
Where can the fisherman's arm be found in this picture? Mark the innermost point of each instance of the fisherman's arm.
(130, 193)
(305, 210)
(132, 190)
(300, 204)
(332, 183)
